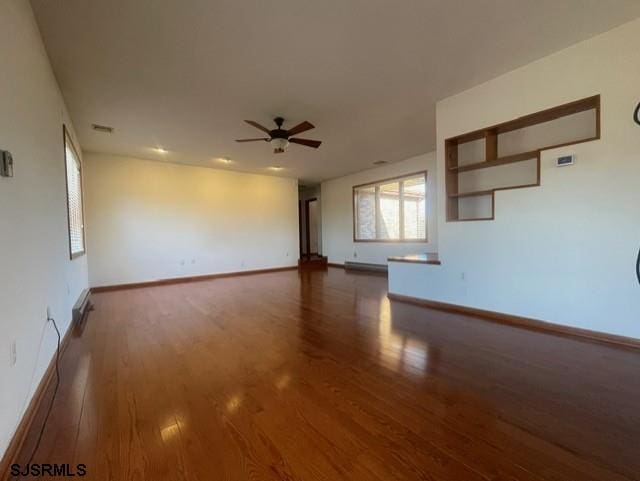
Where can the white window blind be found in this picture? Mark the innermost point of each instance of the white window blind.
(391, 210)
(74, 198)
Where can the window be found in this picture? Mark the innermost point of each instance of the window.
(74, 197)
(391, 210)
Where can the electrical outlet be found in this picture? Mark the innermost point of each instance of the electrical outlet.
(463, 276)
(182, 262)
(355, 255)
(287, 254)
(13, 353)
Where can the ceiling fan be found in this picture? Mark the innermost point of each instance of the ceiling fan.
(280, 137)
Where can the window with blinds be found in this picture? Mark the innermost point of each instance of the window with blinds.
(74, 197)
(391, 210)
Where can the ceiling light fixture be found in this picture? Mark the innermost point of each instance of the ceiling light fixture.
(225, 160)
(279, 144)
(160, 150)
(275, 167)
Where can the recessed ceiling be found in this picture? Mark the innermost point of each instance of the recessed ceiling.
(182, 75)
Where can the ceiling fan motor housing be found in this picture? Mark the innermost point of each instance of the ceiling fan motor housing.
(279, 134)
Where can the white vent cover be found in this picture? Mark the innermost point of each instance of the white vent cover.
(102, 128)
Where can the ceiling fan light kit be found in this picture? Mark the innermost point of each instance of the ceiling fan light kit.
(280, 138)
(279, 144)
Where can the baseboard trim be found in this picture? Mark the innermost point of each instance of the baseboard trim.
(524, 322)
(20, 436)
(379, 269)
(359, 270)
(182, 280)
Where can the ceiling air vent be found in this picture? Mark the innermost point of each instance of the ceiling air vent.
(102, 128)
(380, 162)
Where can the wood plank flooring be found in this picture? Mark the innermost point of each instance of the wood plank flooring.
(318, 376)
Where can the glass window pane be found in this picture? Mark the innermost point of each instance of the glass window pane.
(366, 213)
(389, 226)
(391, 210)
(74, 200)
(414, 208)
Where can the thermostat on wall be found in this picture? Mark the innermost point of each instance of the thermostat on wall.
(565, 160)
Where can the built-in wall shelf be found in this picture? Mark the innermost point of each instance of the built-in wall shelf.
(510, 154)
(479, 193)
(509, 159)
(476, 193)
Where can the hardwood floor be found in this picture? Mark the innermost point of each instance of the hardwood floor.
(318, 376)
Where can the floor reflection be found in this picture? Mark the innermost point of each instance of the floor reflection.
(400, 351)
(233, 404)
(171, 429)
(283, 381)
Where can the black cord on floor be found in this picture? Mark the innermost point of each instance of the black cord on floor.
(53, 398)
(638, 267)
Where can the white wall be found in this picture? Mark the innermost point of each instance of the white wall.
(337, 214)
(155, 220)
(34, 252)
(563, 252)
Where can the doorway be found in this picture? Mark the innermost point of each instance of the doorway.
(309, 228)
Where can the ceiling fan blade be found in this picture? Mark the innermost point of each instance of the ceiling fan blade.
(258, 126)
(298, 129)
(309, 143)
(252, 140)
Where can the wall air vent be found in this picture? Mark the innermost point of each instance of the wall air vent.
(102, 128)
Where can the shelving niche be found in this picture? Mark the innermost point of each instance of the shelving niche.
(507, 155)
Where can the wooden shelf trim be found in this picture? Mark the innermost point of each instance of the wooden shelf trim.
(508, 159)
(479, 193)
(473, 219)
(582, 105)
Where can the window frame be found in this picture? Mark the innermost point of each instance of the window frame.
(67, 140)
(377, 185)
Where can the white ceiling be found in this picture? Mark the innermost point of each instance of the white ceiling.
(184, 74)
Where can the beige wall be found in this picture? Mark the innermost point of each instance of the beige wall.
(563, 252)
(35, 270)
(155, 220)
